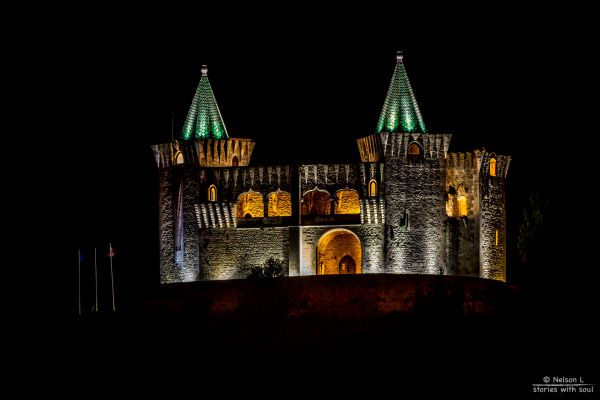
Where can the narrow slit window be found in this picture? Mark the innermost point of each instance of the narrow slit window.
(373, 188)
(492, 167)
(497, 237)
(462, 206)
(212, 193)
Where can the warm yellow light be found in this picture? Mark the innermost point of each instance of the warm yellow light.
(462, 206)
(179, 158)
(492, 167)
(212, 193)
(372, 188)
(280, 204)
(250, 205)
(496, 237)
(339, 252)
(346, 202)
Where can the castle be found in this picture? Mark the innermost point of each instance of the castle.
(409, 206)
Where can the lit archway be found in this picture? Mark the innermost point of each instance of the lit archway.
(346, 201)
(339, 251)
(280, 204)
(250, 205)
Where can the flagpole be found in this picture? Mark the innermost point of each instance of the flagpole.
(112, 284)
(79, 279)
(96, 278)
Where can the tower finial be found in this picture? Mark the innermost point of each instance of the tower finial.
(204, 70)
(399, 57)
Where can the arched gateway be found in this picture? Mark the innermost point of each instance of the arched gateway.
(339, 251)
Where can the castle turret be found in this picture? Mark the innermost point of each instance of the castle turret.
(415, 179)
(205, 127)
(492, 229)
(204, 143)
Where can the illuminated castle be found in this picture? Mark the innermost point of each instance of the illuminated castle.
(409, 206)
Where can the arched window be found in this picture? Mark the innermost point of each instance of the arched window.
(346, 202)
(179, 158)
(414, 150)
(372, 188)
(234, 161)
(316, 202)
(250, 205)
(280, 204)
(212, 193)
(492, 167)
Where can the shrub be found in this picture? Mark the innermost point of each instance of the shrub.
(272, 268)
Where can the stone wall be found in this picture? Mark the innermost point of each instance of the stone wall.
(462, 246)
(189, 272)
(415, 202)
(462, 231)
(412, 225)
(493, 218)
(332, 177)
(229, 253)
(168, 271)
(370, 236)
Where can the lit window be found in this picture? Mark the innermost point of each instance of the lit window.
(346, 202)
(250, 205)
(373, 188)
(280, 204)
(496, 237)
(414, 150)
(492, 167)
(462, 206)
(179, 158)
(212, 193)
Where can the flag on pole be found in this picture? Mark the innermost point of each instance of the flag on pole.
(111, 251)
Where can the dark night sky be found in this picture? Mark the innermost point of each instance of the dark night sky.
(303, 86)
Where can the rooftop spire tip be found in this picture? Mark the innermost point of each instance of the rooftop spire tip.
(399, 57)
(204, 70)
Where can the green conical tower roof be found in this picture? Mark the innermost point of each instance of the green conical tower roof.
(204, 119)
(400, 111)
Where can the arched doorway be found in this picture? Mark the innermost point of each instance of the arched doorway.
(347, 265)
(339, 251)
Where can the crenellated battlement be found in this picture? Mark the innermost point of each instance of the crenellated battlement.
(224, 153)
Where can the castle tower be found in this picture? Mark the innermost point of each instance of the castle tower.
(463, 213)
(204, 143)
(492, 228)
(415, 182)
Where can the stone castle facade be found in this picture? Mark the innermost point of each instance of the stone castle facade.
(409, 206)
